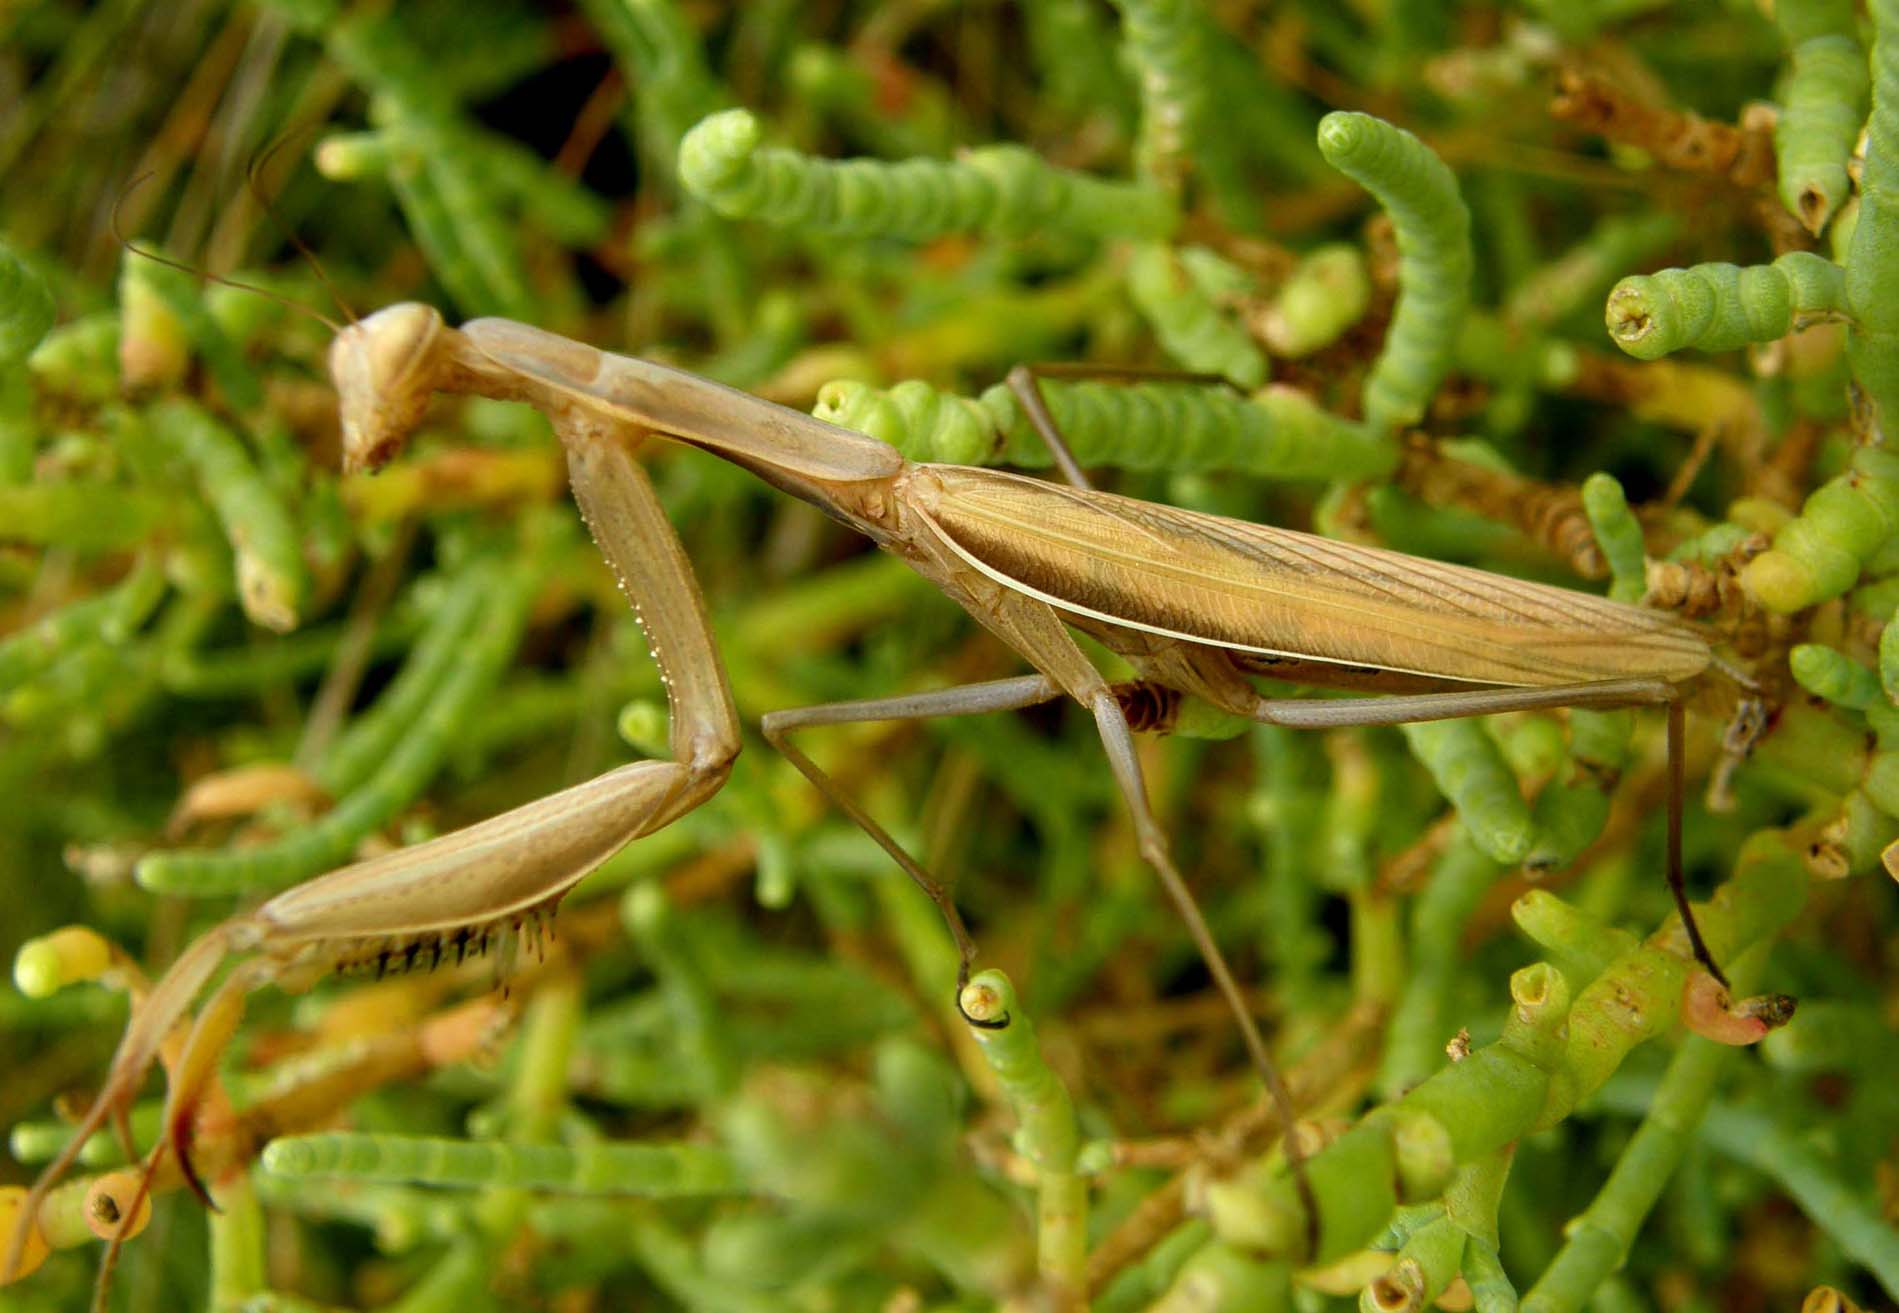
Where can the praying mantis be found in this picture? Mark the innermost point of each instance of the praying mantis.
(1195, 603)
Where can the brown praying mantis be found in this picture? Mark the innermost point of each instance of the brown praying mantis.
(1194, 603)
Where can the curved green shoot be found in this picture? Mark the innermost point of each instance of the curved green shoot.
(1823, 103)
(998, 191)
(1718, 307)
(1435, 264)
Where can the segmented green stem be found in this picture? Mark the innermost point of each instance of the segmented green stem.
(237, 1244)
(659, 1171)
(1430, 1257)
(1166, 44)
(1868, 817)
(1872, 260)
(1350, 821)
(1471, 773)
(849, 1169)
(374, 734)
(1817, 555)
(1472, 1203)
(247, 668)
(39, 1142)
(19, 431)
(1573, 805)
(1414, 1045)
(85, 517)
(998, 191)
(152, 348)
(176, 290)
(1549, 1056)
(1291, 786)
(1407, 1152)
(1788, 1158)
(1278, 433)
(1889, 660)
(1830, 674)
(1579, 945)
(1048, 1134)
(1191, 326)
(1218, 1278)
(1597, 1241)
(1076, 60)
(1324, 296)
(271, 579)
(79, 358)
(1823, 103)
(1618, 534)
(1710, 545)
(109, 618)
(1435, 264)
(1718, 307)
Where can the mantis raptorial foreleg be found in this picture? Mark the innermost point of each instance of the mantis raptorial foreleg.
(638, 541)
(445, 895)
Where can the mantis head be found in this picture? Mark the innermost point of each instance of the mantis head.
(384, 368)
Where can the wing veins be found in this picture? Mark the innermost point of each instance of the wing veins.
(1348, 583)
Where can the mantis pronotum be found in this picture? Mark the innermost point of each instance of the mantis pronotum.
(1195, 603)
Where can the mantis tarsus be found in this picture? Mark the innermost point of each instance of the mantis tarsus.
(1195, 603)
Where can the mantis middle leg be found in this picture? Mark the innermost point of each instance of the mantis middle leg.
(967, 700)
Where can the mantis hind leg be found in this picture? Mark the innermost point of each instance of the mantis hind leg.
(1118, 741)
(1034, 629)
(1407, 709)
(1677, 887)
